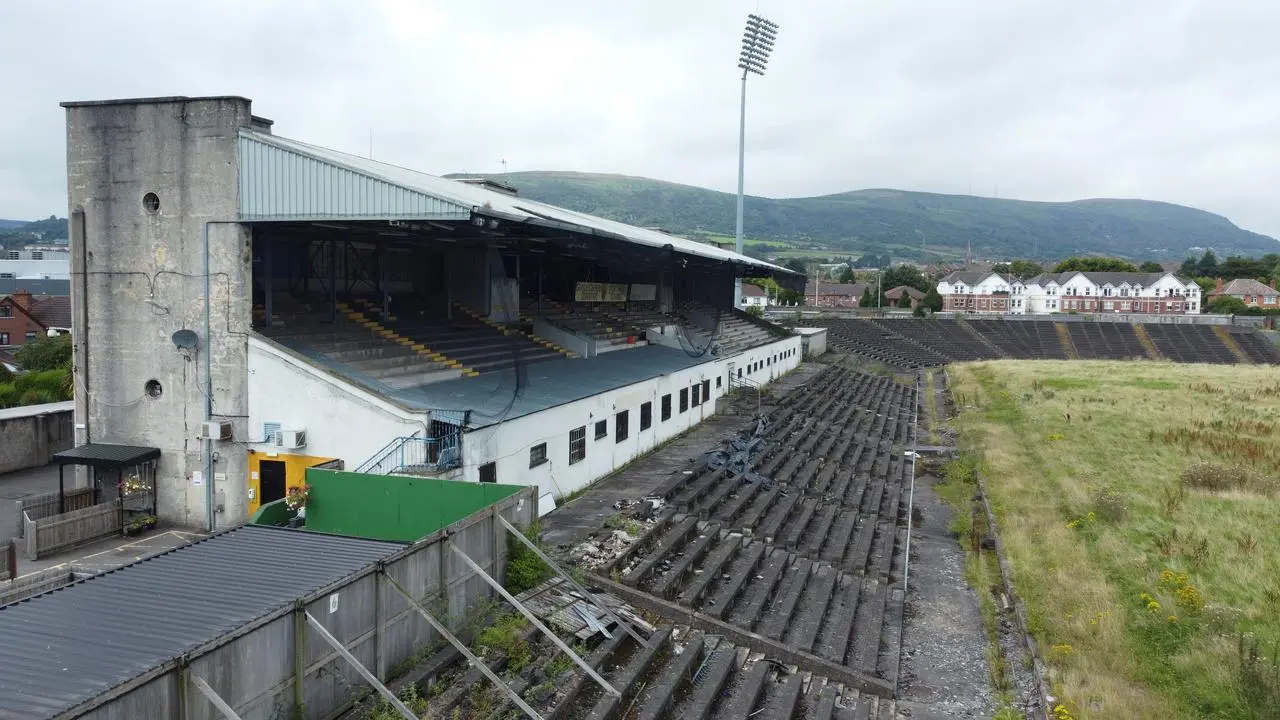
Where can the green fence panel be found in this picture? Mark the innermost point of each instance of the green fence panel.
(393, 507)
(273, 513)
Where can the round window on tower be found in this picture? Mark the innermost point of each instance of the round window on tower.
(151, 203)
(153, 389)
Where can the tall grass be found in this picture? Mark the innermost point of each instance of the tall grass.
(1136, 503)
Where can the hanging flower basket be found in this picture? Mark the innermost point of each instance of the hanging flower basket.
(297, 497)
(134, 484)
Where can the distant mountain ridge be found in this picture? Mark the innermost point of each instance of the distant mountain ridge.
(905, 223)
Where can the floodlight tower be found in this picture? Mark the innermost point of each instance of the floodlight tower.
(757, 43)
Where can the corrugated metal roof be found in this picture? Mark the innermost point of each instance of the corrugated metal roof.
(65, 647)
(280, 180)
(271, 166)
(8, 286)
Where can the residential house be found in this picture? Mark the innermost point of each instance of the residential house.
(834, 295)
(1250, 292)
(24, 317)
(755, 296)
(894, 296)
(1093, 292)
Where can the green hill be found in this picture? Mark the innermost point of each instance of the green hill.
(16, 233)
(908, 224)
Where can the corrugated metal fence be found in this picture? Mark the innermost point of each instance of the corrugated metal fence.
(273, 666)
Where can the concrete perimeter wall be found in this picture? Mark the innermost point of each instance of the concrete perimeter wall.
(258, 668)
(30, 436)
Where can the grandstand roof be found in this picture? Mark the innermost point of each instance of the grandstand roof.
(325, 184)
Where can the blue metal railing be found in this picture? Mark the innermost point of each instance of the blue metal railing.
(416, 454)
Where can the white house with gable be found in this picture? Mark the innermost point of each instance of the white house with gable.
(1085, 292)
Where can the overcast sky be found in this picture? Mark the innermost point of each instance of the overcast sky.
(1174, 100)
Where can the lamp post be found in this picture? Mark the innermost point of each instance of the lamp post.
(757, 43)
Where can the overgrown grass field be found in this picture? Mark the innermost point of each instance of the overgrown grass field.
(1139, 504)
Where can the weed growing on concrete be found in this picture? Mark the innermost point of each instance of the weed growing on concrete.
(525, 569)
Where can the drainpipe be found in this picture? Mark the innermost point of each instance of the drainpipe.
(210, 491)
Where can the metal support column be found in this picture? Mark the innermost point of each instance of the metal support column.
(590, 671)
(269, 250)
(474, 661)
(213, 697)
(380, 622)
(333, 280)
(62, 492)
(364, 671)
(585, 593)
(299, 656)
(382, 281)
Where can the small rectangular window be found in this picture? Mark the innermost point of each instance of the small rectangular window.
(602, 429)
(537, 455)
(697, 400)
(15, 255)
(37, 255)
(684, 399)
(666, 407)
(4, 338)
(620, 426)
(719, 381)
(646, 416)
(9, 276)
(489, 473)
(31, 335)
(6, 311)
(577, 444)
(706, 391)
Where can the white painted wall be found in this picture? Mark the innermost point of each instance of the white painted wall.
(509, 443)
(341, 420)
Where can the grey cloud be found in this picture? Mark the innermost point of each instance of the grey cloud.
(1044, 99)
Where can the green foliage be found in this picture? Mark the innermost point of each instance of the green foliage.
(1208, 264)
(908, 275)
(1019, 269)
(932, 300)
(45, 353)
(1151, 266)
(897, 221)
(506, 636)
(5, 375)
(868, 299)
(36, 388)
(16, 234)
(525, 569)
(755, 311)
(1094, 264)
(919, 311)
(1227, 305)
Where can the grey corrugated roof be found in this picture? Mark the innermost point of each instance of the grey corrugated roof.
(8, 286)
(67, 646)
(319, 179)
(106, 455)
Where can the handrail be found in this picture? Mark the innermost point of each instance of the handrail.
(385, 451)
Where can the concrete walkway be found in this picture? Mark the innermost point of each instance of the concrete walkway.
(96, 557)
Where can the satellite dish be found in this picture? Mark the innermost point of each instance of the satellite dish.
(186, 340)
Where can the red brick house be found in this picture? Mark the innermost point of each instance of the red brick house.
(894, 296)
(1250, 292)
(834, 295)
(24, 317)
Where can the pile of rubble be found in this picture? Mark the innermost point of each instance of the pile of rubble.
(609, 544)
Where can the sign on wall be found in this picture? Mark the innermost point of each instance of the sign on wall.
(615, 293)
(589, 292)
(644, 293)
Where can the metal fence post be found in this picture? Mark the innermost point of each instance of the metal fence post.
(299, 656)
(380, 622)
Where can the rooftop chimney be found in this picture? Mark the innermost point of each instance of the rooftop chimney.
(1219, 288)
(22, 299)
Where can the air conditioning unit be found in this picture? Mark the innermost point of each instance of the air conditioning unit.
(216, 430)
(292, 439)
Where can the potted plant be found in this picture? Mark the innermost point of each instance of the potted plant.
(140, 524)
(296, 499)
